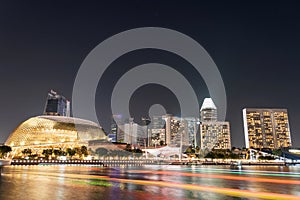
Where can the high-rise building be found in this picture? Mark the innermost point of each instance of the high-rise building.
(135, 134)
(57, 105)
(157, 131)
(266, 128)
(193, 130)
(213, 133)
(116, 121)
(208, 111)
(176, 131)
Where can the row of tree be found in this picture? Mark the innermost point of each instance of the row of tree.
(78, 151)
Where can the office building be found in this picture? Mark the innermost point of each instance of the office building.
(266, 128)
(176, 131)
(214, 134)
(116, 121)
(193, 131)
(157, 132)
(135, 134)
(208, 111)
(57, 105)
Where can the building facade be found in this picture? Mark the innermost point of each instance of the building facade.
(44, 132)
(266, 128)
(135, 134)
(214, 134)
(157, 131)
(208, 111)
(176, 131)
(57, 105)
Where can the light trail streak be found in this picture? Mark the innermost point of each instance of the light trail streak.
(227, 177)
(250, 172)
(219, 190)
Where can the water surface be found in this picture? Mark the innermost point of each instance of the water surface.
(149, 182)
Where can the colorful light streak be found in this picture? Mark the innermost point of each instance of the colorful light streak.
(219, 190)
(226, 177)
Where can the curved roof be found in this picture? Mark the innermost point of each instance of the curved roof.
(48, 130)
(64, 119)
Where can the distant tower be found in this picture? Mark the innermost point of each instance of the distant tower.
(115, 132)
(57, 105)
(208, 111)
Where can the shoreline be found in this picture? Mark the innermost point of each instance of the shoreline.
(143, 162)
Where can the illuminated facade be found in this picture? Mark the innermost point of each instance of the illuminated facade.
(215, 135)
(208, 111)
(157, 131)
(176, 131)
(134, 133)
(54, 132)
(266, 128)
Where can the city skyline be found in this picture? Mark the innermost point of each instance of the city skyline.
(254, 47)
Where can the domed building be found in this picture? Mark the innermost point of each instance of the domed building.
(48, 131)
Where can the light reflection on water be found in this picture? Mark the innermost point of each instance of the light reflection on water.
(149, 182)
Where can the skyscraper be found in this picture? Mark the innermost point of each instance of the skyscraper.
(213, 133)
(193, 130)
(134, 133)
(57, 105)
(157, 131)
(116, 121)
(208, 111)
(176, 131)
(266, 128)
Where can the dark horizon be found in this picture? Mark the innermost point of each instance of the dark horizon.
(254, 45)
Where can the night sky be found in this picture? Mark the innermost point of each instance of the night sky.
(255, 45)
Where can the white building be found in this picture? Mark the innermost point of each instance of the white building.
(213, 133)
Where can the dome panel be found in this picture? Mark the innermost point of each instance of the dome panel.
(54, 131)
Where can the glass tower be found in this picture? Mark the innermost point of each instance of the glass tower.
(57, 105)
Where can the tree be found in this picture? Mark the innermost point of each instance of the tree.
(210, 155)
(101, 152)
(128, 148)
(84, 150)
(47, 152)
(277, 152)
(78, 151)
(27, 152)
(70, 152)
(58, 152)
(4, 150)
(188, 150)
(161, 143)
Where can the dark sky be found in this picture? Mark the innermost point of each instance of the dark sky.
(255, 46)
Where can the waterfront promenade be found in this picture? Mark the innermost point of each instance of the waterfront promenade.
(150, 162)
